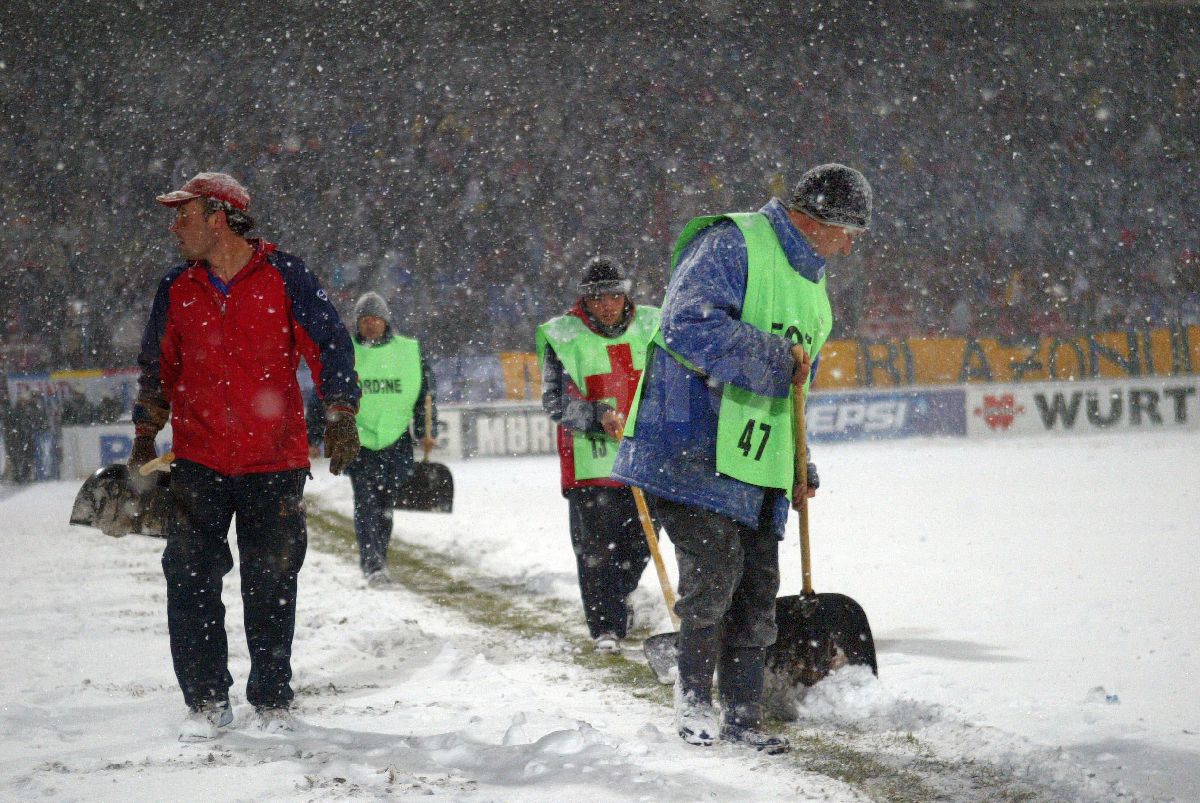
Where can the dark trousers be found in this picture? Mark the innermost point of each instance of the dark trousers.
(376, 476)
(728, 580)
(610, 554)
(272, 540)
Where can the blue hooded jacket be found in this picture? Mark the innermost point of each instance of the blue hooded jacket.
(673, 452)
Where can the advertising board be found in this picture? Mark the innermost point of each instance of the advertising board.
(1067, 408)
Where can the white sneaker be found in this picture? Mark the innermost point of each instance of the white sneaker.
(608, 644)
(696, 722)
(203, 724)
(379, 579)
(276, 721)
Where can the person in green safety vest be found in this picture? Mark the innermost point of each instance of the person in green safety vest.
(709, 438)
(591, 359)
(395, 380)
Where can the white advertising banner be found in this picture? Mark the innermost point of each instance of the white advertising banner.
(1071, 408)
(85, 449)
(499, 430)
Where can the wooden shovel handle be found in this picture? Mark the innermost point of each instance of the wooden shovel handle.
(652, 541)
(428, 424)
(801, 440)
(162, 463)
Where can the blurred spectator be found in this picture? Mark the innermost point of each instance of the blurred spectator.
(25, 421)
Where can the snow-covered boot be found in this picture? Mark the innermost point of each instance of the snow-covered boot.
(204, 722)
(278, 721)
(695, 717)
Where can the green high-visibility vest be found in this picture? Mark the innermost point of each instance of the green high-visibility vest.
(605, 369)
(755, 441)
(390, 377)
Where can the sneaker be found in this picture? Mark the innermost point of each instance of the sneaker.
(755, 739)
(696, 721)
(203, 723)
(277, 721)
(379, 579)
(608, 644)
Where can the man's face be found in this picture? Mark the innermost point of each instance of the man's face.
(606, 307)
(197, 237)
(831, 241)
(371, 327)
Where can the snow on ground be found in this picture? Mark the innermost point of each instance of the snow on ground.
(1033, 602)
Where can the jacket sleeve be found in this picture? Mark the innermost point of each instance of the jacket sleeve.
(701, 318)
(320, 335)
(152, 407)
(564, 402)
(428, 388)
(314, 419)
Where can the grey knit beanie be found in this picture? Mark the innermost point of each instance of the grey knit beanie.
(371, 303)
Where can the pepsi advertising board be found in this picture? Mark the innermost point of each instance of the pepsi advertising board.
(886, 414)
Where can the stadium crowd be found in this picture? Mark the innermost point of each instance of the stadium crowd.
(1032, 175)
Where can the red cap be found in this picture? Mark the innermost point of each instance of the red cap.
(221, 186)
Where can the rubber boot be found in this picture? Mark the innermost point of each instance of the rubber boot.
(695, 716)
(741, 685)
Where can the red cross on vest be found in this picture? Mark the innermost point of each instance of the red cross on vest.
(620, 382)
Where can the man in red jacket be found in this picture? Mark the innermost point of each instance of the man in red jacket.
(219, 358)
(592, 358)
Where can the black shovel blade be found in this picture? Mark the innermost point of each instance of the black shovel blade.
(660, 653)
(110, 501)
(819, 633)
(431, 488)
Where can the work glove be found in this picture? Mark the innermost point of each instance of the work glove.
(814, 482)
(341, 438)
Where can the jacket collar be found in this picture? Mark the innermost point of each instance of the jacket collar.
(262, 250)
(803, 259)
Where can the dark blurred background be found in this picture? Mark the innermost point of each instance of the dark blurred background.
(1034, 164)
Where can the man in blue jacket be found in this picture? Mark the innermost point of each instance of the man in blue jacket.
(710, 441)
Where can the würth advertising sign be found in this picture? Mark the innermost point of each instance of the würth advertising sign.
(1078, 407)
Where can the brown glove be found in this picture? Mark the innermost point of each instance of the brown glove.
(341, 438)
(150, 414)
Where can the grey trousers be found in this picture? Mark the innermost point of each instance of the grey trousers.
(728, 580)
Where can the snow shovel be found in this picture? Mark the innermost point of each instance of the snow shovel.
(431, 487)
(118, 504)
(817, 632)
(660, 649)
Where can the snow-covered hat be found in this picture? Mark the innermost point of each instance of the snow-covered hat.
(220, 186)
(835, 194)
(371, 303)
(601, 276)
